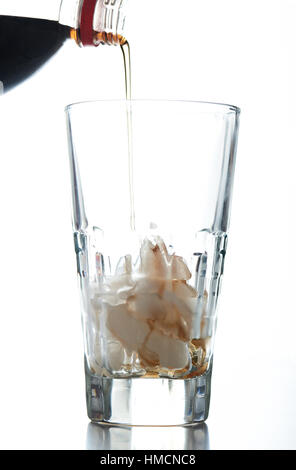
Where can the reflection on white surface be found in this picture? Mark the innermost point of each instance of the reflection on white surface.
(103, 437)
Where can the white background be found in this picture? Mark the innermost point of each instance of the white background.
(233, 51)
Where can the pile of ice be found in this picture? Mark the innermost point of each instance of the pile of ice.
(148, 311)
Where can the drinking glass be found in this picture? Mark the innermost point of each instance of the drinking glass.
(151, 191)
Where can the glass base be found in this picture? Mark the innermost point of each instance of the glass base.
(148, 402)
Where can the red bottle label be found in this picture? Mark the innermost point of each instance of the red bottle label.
(86, 24)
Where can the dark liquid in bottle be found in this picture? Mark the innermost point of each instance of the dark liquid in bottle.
(25, 45)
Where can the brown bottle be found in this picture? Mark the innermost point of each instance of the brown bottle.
(32, 31)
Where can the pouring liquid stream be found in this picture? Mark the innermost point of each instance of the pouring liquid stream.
(125, 48)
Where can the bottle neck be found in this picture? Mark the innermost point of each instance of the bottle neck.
(94, 21)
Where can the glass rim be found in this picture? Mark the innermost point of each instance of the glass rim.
(211, 105)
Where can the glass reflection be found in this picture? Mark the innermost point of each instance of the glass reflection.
(104, 437)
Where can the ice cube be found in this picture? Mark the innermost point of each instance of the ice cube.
(114, 354)
(165, 352)
(179, 269)
(154, 259)
(183, 290)
(178, 320)
(147, 306)
(187, 293)
(130, 331)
